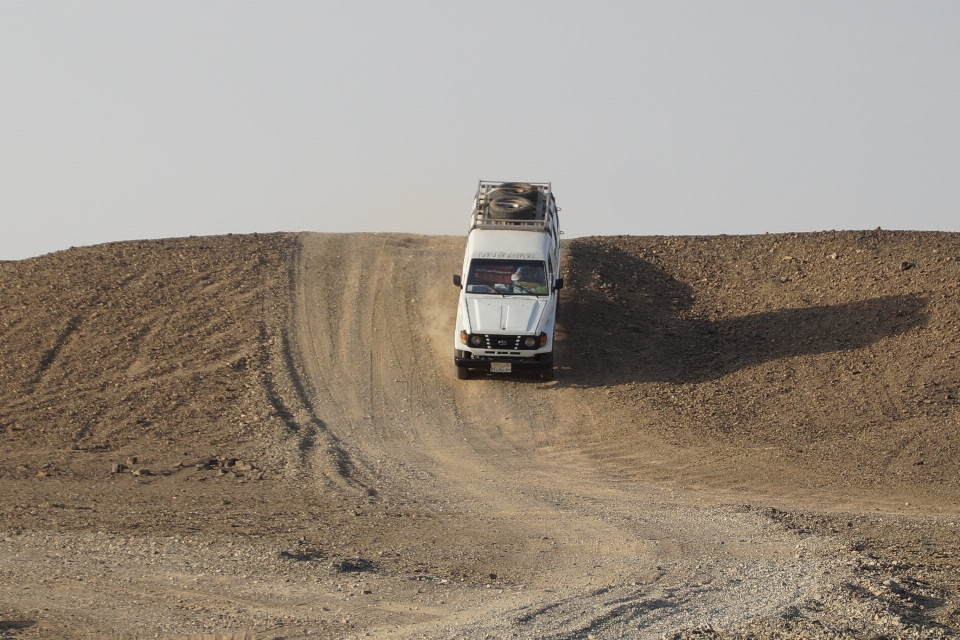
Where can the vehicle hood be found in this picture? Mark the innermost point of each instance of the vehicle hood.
(505, 315)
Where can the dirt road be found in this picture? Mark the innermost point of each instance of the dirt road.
(501, 453)
(730, 448)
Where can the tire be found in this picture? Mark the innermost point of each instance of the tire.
(517, 190)
(547, 372)
(511, 208)
(462, 373)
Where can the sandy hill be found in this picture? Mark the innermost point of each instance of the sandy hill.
(296, 393)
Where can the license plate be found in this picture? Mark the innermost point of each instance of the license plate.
(500, 367)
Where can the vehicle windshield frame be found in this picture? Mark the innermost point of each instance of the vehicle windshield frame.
(502, 277)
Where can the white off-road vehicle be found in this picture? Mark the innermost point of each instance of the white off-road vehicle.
(510, 283)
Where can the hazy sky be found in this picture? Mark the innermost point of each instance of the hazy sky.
(126, 120)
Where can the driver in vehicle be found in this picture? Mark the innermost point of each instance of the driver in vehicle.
(529, 279)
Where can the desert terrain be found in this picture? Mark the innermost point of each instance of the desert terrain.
(262, 436)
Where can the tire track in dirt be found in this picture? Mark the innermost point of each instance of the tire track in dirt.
(287, 390)
(51, 354)
(356, 343)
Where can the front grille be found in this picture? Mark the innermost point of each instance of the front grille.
(503, 342)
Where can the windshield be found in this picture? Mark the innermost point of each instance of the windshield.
(507, 277)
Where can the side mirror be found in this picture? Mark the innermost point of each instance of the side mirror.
(558, 284)
(456, 281)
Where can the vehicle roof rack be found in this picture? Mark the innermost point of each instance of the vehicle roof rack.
(545, 208)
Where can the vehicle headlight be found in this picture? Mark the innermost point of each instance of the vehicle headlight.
(530, 342)
(476, 341)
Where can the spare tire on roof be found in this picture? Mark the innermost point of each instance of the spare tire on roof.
(516, 189)
(511, 208)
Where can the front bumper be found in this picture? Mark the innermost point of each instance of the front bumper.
(518, 363)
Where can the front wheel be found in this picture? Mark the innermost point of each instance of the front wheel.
(462, 373)
(547, 372)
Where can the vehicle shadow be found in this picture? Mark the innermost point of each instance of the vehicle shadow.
(622, 321)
